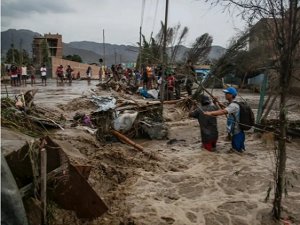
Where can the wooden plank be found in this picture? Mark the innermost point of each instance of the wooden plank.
(44, 185)
(74, 193)
(125, 139)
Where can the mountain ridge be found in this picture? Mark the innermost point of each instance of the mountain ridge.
(89, 51)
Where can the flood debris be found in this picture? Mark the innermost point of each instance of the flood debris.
(66, 177)
(126, 140)
(132, 118)
(23, 115)
(293, 126)
(125, 120)
(82, 119)
(104, 103)
(155, 130)
(121, 86)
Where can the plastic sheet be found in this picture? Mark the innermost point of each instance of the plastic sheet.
(125, 121)
(104, 103)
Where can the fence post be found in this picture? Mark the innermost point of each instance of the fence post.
(44, 185)
(262, 98)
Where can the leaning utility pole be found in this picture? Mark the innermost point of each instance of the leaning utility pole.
(140, 54)
(104, 62)
(164, 54)
(140, 49)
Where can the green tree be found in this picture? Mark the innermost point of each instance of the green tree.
(282, 24)
(75, 58)
(12, 56)
(26, 58)
(45, 53)
(151, 51)
(17, 57)
(200, 49)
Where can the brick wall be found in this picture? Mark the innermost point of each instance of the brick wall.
(81, 67)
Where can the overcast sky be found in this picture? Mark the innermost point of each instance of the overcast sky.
(79, 20)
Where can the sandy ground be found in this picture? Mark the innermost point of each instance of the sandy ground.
(181, 183)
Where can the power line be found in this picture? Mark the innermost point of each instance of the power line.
(154, 19)
(140, 33)
(143, 11)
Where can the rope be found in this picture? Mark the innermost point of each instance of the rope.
(154, 20)
(239, 123)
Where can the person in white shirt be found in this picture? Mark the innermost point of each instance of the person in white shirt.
(24, 74)
(44, 74)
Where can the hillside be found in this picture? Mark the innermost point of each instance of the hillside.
(90, 52)
(20, 38)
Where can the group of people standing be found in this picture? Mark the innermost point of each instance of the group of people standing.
(61, 74)
(20, 74)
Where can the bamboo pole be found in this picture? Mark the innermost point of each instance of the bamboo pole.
(261, 99)
(125, 139)
(173, 101)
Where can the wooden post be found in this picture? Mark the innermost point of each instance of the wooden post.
(140, 51)
(164, 54)
(262, 98)
(44, 185)
(104, 60)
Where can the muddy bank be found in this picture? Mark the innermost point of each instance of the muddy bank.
(187, 185)
(181, 183)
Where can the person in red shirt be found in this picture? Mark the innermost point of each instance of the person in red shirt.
(60, 73)
(170, 85)
(14, 75)
(69, 71)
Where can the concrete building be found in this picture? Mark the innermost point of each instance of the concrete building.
(49, 42)
(262, 38)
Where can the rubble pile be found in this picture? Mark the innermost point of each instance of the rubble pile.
(119, 86)
(23, 115)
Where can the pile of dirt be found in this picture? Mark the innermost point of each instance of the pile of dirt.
(182, 184)
(115, 167)
(78, 104)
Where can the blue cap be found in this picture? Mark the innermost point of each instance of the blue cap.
(231, 90)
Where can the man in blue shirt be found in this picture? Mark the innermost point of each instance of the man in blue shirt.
(233, 128)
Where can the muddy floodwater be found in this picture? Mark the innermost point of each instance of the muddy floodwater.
(54, 93)
(177, 182)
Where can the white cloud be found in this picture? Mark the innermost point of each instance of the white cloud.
(80, 20)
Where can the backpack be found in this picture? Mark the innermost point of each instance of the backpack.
(247, 119)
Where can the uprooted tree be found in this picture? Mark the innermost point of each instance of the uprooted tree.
(151, 51)
(199, 51)
(281, 20)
